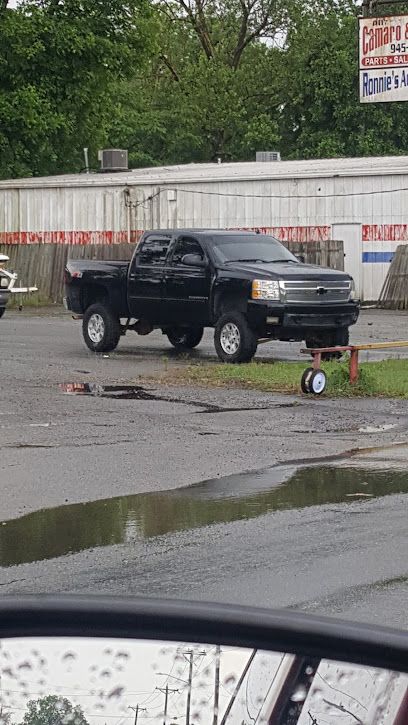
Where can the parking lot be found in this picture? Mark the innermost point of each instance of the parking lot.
(223, 494)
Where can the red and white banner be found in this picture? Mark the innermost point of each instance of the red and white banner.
(285, 234)
(385, 233)
(293, 234)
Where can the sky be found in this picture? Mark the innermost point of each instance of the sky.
(105, 677)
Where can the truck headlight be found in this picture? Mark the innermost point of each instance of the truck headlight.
(353, 293)
(265, 289)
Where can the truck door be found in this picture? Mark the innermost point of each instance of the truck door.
(146, 278)
(187, 287)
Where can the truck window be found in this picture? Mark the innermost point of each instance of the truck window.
(186, 245)
(154, 250)
(230, 248)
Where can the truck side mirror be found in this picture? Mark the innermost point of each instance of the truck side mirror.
(193, 260)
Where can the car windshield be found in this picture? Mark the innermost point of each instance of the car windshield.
(203, 323)
(260, 248)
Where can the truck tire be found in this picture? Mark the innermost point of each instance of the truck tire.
(185, 338)
(330, 338)
(100, 328)
(234, 340)
(2, 311)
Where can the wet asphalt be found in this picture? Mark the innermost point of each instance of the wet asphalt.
(144, 493)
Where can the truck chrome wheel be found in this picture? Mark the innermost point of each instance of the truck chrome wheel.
(230, 338)
(96, 328)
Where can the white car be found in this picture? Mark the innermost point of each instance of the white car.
(7, 285)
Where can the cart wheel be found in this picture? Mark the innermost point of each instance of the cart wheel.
(304, 383)
(317, 382)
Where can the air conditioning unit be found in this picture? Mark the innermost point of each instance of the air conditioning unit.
(113, 159)
(268, 156)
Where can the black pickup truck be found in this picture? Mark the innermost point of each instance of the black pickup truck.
(247, 286)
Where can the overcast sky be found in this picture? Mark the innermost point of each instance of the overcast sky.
(106, 676)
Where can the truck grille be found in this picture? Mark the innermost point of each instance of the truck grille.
(319, 292)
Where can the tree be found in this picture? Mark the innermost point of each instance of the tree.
(321, 115)
(196, 105)
(58, 63)
(5, 717)
(226, 29)
(53, 710)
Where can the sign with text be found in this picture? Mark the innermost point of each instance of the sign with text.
(383, 55)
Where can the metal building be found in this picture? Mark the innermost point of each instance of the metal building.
(363, 202)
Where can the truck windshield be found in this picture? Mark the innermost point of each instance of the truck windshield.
(251, 249)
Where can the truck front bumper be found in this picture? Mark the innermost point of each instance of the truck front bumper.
(291, 322)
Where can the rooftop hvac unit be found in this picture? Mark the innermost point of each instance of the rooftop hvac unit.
(268, 156)
(113, 159)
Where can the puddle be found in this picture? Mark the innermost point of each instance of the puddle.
(137, 392)
(119, 392)
(131, 519)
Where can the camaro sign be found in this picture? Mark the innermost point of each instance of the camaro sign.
(383, 52)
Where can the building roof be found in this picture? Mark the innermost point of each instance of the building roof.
(238, 171)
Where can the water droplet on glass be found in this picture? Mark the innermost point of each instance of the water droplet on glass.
(25, 665)
(299, 695)
(116, 692)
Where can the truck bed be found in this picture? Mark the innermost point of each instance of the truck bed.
(85, 277)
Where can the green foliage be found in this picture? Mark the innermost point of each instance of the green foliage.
(178, 82)
(322, 116)
(53, 710)
(58, 62)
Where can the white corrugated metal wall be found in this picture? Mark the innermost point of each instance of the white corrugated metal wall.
(376, 214)
(364, 200)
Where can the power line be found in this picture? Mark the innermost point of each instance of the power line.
(294, 196)
(288, 196)
(151, 698)
(68, 694)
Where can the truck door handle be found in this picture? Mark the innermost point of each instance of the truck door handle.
(132, 276)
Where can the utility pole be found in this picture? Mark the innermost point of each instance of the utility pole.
(217, 683)
(165, 690)
(190, 655)
(136, 710)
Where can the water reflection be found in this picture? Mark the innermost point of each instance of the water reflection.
(54, 532)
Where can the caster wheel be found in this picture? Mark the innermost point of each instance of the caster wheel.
(313, 381)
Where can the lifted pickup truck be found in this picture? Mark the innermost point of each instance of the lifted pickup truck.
(247, 286)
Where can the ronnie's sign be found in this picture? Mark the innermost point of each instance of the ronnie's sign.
(383, 55)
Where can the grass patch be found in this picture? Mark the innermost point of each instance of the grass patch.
(387, 378)
(34, 299)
